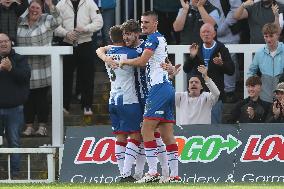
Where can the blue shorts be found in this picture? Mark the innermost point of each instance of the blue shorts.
(160, 103)
(126, 119)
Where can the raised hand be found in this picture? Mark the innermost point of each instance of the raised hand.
(49, 3)
(218, 60)
(251, 112)
(6, 64)
(201, 3)
(203, 70)
(185, 4)
(193, 50)
(248, 3)
(275, 9)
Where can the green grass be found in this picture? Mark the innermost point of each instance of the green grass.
(148, 186)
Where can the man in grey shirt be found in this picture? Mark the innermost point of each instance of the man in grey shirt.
(258, 14)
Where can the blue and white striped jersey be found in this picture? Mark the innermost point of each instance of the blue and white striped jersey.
(123, 90)
(155, 74)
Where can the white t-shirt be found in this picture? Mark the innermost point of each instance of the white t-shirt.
(196, 110)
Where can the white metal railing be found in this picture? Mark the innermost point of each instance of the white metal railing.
(50, 153)
(118, 9)
(57, 75)
(56, 53)
(179, 50)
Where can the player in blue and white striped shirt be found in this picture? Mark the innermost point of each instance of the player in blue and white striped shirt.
(160, 101)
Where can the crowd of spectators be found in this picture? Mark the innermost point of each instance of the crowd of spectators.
(180, 21)
(206, 25)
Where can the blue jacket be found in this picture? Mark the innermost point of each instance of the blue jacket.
(14, 85)
(270, 68)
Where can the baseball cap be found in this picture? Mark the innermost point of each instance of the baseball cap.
(280, 87)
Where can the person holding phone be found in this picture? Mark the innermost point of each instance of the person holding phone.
(258, 14)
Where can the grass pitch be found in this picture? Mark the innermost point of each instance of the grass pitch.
(147, 186)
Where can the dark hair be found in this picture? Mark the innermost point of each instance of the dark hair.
(131, 26)
(151, 13)
(115, 33)
(253, 80)
(40, 2)
(199, 77)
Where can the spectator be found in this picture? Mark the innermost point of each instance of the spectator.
(14, 84)
(107, 8)
(100, 38)
(277, 112)
(36, 29)
(216, 57)
(251, 109)
(167, 12)
(195, 105)
(268, 61)
(77, 29)
(10, 11)
(191, 17)
(228, 32)
(258, 14)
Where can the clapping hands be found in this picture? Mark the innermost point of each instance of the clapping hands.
(218, 60)
(193, 50)
(6, 64)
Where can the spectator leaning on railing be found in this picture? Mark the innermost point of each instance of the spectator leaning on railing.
(14, 86)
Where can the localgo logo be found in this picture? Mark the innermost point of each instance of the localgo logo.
(271, 148)
(99, 153)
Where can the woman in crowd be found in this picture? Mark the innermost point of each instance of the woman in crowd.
(36, 29)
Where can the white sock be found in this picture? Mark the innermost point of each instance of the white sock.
(162, 157)
(120, 154)
(131, 152)
(172, 153)
(140, 162)
(151, 156)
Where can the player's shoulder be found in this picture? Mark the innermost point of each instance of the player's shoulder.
(113, 48)
(154, 35)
